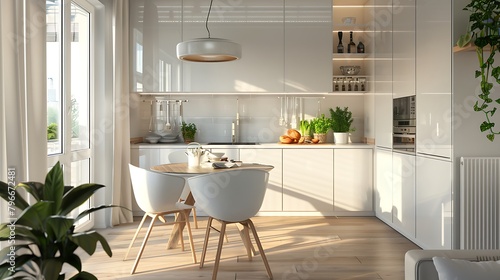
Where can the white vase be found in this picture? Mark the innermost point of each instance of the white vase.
(340, 137)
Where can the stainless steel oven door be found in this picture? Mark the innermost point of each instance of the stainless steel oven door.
(403, 142)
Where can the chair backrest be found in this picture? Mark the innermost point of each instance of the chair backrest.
(233, 195)
(155, 192)
(177, 156)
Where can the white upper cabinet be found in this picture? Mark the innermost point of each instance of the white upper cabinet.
(434, 71)
(155, 30)
(403, 48)
(383, 74)
(257, 25)
(308, 46)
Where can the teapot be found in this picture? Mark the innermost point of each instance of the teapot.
(194, 151)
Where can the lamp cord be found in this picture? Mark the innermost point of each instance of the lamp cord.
(208, 15)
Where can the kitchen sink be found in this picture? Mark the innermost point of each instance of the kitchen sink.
(231, 143)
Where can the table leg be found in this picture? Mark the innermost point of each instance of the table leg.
(177, 229)
(244, 231)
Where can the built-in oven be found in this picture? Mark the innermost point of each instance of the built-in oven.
(404, 124)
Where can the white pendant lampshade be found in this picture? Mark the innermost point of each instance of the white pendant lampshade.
(208, 50)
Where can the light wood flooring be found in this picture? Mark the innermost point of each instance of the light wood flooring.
(296, 247)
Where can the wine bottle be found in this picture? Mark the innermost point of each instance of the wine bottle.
(351, 48)
(361, 47)
(340, 46)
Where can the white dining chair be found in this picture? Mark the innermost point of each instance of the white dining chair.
(158, 195)
(181, 157)
(232, 196)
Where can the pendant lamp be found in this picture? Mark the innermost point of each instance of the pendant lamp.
(208, 49)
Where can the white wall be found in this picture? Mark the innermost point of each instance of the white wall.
(259, 115)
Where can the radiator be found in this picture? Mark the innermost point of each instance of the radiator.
(479, 203)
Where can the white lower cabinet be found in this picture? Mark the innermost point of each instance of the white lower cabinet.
(352, 181)
(434, 203)
(403, 193)
(383, 185)
(308, 180)
(273, 200)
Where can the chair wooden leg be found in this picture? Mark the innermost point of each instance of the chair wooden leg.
(135, 235)
(205, 242)
(195, 218)
(219, 250)
(261, 250)
(141, 250)
(190, 234)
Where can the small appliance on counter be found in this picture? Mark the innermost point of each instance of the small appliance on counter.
(404, 124)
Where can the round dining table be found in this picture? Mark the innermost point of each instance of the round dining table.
(184, 170)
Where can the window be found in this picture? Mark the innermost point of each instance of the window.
(70, 90)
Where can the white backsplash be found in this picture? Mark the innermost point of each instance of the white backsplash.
(259, 115)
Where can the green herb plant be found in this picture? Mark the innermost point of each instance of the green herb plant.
(305, 128)
(42, 238)
(484, 22)
(341, 119)
(321, 124)
(188, 130)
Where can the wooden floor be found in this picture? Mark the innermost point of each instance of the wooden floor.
(296, 247)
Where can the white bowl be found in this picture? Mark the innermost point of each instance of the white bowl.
(215, 156)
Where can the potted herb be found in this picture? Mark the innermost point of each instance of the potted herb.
(305, 129)
(188, 131)
(320, 126)
(341, 124)
(43, 233)
(484, 22)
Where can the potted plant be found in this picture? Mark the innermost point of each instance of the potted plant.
(305, 129)
(42, 238)
(484, 23)
(341, 124)
(188, 131)
(320, 126)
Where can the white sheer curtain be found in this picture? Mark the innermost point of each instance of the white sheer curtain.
(23, 122)
(122, 192)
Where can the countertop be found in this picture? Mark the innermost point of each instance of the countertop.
(258, 146)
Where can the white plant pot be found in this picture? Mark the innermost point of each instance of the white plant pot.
(340, 137)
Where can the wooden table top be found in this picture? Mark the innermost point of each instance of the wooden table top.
(183, 168)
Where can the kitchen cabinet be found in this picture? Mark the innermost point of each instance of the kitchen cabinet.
(383, 76)
(308, 180)
(434, 203)
(383, 185)
(434, 71)
(403, 193)
(403, 49)
(308, 45)
(155, 30)
(273, 200)
(352, 181)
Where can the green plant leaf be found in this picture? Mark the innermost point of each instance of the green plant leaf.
(88, 241)
(491, 137)
(498, 101)
(486, 126)
(57, 227)
(33, 188)
(21, 233)
(97, 208)
(54, 187)
(478, 73)
(75, 261)
(51, 268)
(84, 275)
(77, 196)
(5, 193)
(35, 215)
